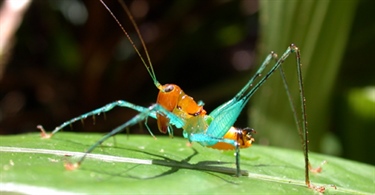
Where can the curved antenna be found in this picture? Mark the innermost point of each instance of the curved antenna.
(148, 65)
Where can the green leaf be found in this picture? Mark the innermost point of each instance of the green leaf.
(141, 164)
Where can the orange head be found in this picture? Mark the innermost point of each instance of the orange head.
(172, 98)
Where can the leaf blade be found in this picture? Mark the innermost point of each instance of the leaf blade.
(270, 169)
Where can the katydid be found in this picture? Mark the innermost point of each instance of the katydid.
(174, 108)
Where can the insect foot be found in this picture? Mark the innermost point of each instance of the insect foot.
(43, 132)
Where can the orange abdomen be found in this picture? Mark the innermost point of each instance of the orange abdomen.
(242, 136)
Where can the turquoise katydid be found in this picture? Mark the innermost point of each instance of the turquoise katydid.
(174, 108)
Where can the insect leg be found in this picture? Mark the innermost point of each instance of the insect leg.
(150, 111)
(225, 115)
(207, 140)
(106, 108)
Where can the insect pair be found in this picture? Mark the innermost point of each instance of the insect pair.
(175, 109)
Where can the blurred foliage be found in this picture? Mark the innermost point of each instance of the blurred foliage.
(325, 32)
(71, 57)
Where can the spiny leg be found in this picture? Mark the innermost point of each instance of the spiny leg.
(225, 115)
(106, 108)
(303, 138)
(291, 102)
(303, 135)
(135, 120)
(302, 132)
(229, 111)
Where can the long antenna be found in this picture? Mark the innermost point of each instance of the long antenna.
(148, 65)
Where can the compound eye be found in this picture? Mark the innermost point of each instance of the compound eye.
(249, 131)
(168, 88)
